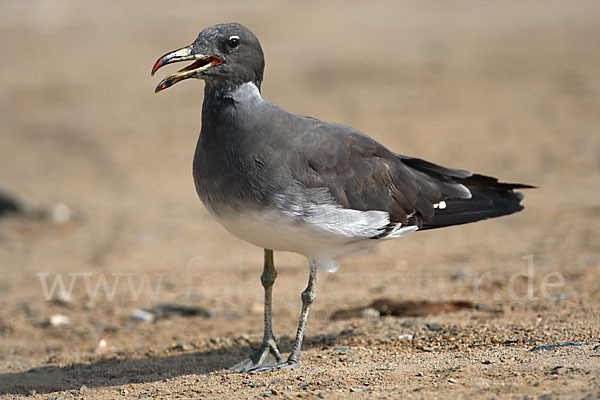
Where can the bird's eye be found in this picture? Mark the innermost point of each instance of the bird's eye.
(234, 41)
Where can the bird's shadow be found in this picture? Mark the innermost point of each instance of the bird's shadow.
(118, 371)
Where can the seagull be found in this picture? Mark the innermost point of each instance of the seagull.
(288, 182)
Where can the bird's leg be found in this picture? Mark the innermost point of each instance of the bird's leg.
(267, 356)
(308, 296)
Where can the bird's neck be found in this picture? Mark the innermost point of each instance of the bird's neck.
(228, 142)
(238, 93)
(228, 105)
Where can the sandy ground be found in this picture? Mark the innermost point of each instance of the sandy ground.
(510, 89)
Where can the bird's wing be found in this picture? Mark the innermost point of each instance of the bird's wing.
(362, 174)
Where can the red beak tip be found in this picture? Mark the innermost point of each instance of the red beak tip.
(156, 66)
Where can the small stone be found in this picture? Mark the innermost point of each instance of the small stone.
(486, 362)
(62, 298)
(60, 213)
(59, 319)
(558, 370)
(452, 380)
(405, 336)
(551, 346)
(370, 313)
(103, 348)
(341, 349)
(166, 310)
(432, 326)
(419, 374)
(141, 315)
(182, 346)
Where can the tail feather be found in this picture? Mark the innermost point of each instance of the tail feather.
(489, 199)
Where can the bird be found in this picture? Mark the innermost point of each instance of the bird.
(292, 183)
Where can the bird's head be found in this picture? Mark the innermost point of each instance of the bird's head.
(222, 55)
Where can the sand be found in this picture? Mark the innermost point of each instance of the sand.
(508, 89)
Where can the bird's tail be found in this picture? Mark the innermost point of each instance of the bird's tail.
(489, 199)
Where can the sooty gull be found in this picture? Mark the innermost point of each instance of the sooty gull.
(293, 183)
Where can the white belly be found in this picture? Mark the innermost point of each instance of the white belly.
(324, 236)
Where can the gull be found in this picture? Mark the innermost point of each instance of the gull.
(288, 182)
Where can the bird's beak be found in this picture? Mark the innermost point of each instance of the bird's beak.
(201, 62)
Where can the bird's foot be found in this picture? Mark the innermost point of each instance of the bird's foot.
(265, 358)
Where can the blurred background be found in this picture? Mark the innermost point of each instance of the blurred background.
(101, 166)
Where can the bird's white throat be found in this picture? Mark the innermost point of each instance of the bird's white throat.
(246, 92)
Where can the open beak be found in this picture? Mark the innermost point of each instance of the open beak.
(201, 62)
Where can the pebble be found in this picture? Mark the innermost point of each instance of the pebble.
(101, 347)
(432, 326)
(59, 319)
(405, 336)
(551, 346)
(452, 380)
(182, 346)
(165, 310)
(63, 298)
(60, 213)
(141, 315)
(559, 370)
(341, 348)
(370, 313)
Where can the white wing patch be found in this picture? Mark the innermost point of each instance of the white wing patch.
(346, 223)
(441, 205)
(311, 223)
(401, 230)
